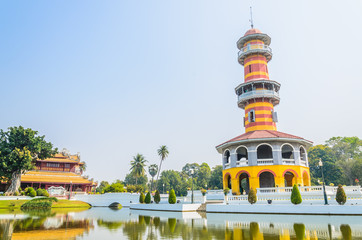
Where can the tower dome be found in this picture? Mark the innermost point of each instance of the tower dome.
(252, 31)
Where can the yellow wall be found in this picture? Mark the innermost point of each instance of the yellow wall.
(254, 171)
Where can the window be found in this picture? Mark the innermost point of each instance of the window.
(251, 116)
(249, 68)
(67, 165)
(53, 165)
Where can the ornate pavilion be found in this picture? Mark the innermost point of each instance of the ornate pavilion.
(262, 157)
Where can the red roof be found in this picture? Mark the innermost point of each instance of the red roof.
(262, 134)
(252, 31)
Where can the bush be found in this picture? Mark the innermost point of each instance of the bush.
(157, 197)
(142, 197)
(296, 198)
(226, 191)
(341, 197)
(252, 196)
(38, 203)
(16, 193)
(28, 190)
(148, 198)
(39, 192)
(32, 193)
(22, 193)
(172, 197)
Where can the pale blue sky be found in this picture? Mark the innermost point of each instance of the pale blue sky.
(111, 79)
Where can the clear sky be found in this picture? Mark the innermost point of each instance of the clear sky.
(111, 79)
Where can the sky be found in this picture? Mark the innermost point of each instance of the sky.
(111, 79)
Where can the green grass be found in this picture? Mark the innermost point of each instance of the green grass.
(16, 204)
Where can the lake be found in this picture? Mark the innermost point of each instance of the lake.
(105, 223)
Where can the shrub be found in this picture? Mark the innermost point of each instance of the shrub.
(296, 198)
(22, 193)
(148, 198)
(341, 195)
(16, 193)
(203, 191)
(28, 190)
(45, 193)
(39, 203)
(32, 193)
(142, 197)
(172, 197)
(157, 197)
(226, 191)
(252, 196)
(39, 192)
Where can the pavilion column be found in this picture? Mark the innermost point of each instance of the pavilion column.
(235, 186)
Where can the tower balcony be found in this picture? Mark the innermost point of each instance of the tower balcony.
(270, 94)
(255, 49)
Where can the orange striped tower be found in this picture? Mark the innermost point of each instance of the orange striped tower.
(258, 94)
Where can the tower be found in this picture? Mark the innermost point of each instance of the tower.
(262, 157)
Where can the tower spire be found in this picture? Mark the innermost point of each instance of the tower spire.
(251, 17)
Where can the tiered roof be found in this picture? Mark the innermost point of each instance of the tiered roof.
(54, 177)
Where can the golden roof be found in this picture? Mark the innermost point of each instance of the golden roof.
(53, 177)
(59, 157)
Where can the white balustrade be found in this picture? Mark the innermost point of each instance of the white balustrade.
(242, 162)
(288, 161)
(267, 161)
(254, 48)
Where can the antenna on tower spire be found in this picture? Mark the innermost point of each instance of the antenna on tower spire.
(251, 17)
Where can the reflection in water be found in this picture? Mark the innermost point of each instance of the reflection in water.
(103, 223)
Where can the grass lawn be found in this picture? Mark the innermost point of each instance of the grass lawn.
(7, 204)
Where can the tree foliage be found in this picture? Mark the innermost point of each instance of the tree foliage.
(341, 197)
(142, 197)
(19, 150)
(252, 196)
(295, 197)
(138, 165)
(117, 186)
(215, 181)
(163, 154)
(148, 198)
(157, 197)
(172, 197)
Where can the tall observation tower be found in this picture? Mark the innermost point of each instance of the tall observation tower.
(262, 157)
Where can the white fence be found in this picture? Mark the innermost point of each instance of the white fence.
(310, 195)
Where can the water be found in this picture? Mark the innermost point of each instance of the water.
(105, 223)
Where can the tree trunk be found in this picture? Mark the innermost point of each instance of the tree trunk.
(151, 184)
(158, 173)
(15, 183)
(136, 180)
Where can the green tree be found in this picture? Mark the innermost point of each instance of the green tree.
(152, 170)
(252, 196)
(341, 197)
(142, 197)
(296, 198)
(138, 166)
(148, 198)
(117, 186)
(172, 197)
(130, 179)
(102, 186)
(163, 154)
(203, 176)
(216, 178)
(172, 179)
(157, 197)
(19, 150)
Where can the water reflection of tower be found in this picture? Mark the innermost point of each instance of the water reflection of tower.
(261, 157)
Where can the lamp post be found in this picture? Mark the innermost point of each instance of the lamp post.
(324, 187)
(192, 185)
(163, 189)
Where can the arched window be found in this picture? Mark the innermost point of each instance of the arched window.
(287, 152)
(303, 154)
(289, 179)
(242, 153)
(266, 180)
(227, 157)
(264, 152)
(244, 183)
(251, 116)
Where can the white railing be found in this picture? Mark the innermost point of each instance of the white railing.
(267, 161)
(288, 161)
(258, 93)
(254, 48)
(309, 194)
(242, 162)
(227, 165)
(303, 162)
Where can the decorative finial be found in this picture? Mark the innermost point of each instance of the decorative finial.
(251, 18)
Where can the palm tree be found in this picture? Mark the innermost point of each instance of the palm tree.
(152, 170)
(163, 153)
(138, 165)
